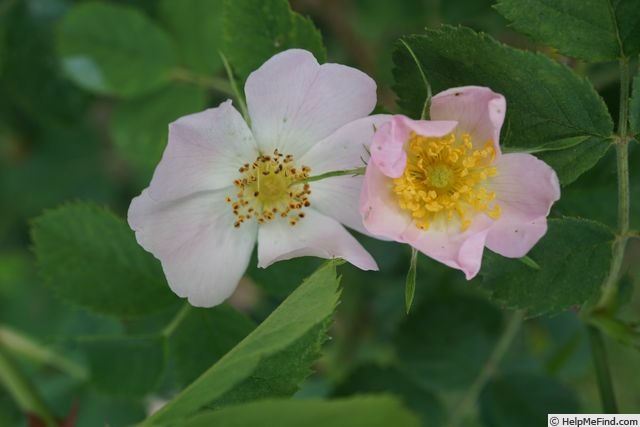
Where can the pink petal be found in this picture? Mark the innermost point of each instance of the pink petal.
(204, 153)
(202, 254)
(294, 102)
(389, 142)
(461, 250)
(525, 187)
(314, 235)
(383, 217)
(379, 207)
(478, 110)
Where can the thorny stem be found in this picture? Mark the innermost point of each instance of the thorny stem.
(468, 401)
(22, 390)
(610, 286)
(601, 364)
(609, 289)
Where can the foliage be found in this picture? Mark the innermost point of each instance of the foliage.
(88, 323)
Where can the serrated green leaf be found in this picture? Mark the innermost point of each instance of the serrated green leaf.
(546, 101)
(114, 50)
(601, 185)
(447, 339)
(524, 400)
(561, 144)
(140, 126)
(90, 257)
(572, 162)
(278, 353)
(197, 27)
(255, 30)
(574, 258)
(204, 336)
(593, 30)
(374, 379)
(125, 365)
(363, 411)
(634, 107)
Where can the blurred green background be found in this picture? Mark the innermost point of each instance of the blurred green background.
(60, 143)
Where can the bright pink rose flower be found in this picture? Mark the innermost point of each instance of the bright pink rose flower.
(444, 187)
(222, 185)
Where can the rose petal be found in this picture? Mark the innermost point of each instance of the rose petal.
(204, 153)
(383, 217)
(457, 249)
(478, 110)
(294, 102)
(314, 235)
(388, 150)
(338, 198)
(379, 207)
(202, 254)
(346, 148)
(343, 150)
(525, 187)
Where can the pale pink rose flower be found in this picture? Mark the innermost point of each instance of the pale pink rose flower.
(222, 185)
(444, 187)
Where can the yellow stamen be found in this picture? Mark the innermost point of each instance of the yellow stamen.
(270, 188)
(444, 180)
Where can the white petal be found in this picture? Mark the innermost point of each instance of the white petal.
(315, 235)
(294, 102)
(343, 150)
(338, 198)
(202, 254)
(204, 153)
(346, 148)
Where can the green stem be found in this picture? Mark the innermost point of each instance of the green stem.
(235, 90)
(601, 364)
(214, 83)
(177, 319)
(23, 391)
(468, 401)
(20, 344)
(352, 172)
(426, 107)
(610, 288)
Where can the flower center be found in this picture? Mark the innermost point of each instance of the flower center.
(443, 180)
(441, 176)
(270, 187)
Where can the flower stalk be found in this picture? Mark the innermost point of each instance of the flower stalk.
(468, 401)
(600, 361)
(22, 390)
(20, 344)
